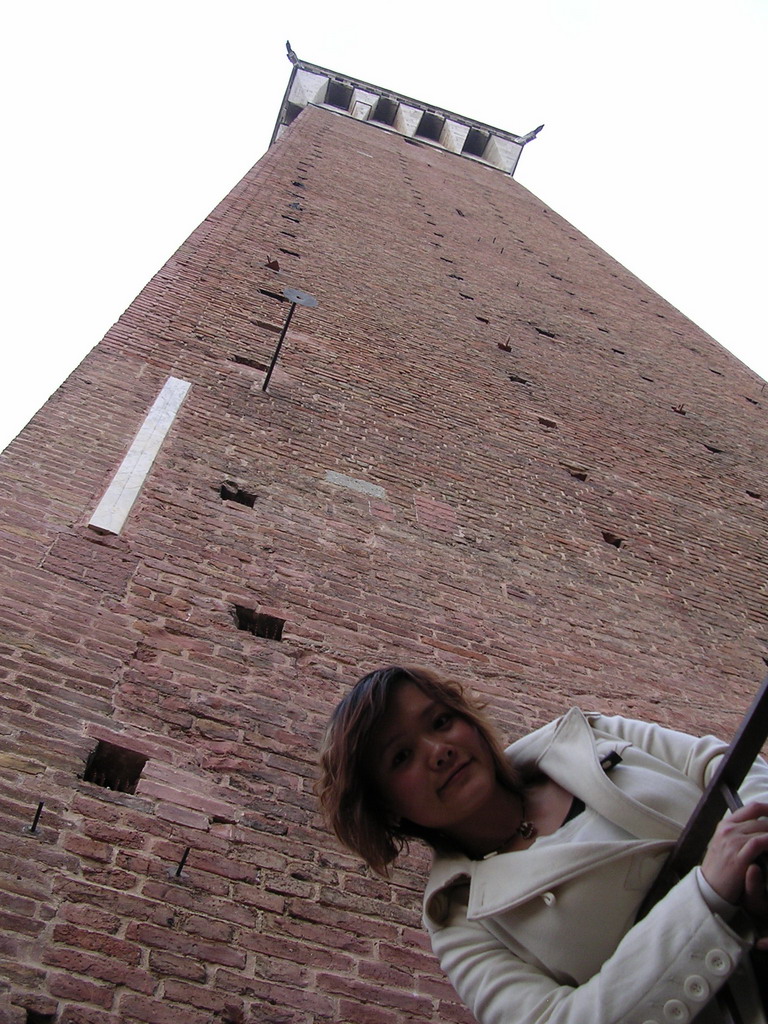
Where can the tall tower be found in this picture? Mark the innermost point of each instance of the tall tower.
(488, 448)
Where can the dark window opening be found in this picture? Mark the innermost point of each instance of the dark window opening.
(475, 142)
(385, 111)
(546, 334)
(113, 767)
(292, 111)
(33, 1017)
(518, 380)
(430, 126)
(231, 492)
(289, 252)
(338, 95)
(612, 538)
(547, 423)
(259, 623)
(483, 319)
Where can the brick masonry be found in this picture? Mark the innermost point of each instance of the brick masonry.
(489, 449)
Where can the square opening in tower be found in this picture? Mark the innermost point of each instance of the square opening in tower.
(385, 111)
(475, 142)
(430, 126)
(338, 95)
(114, 767)
(259, 623)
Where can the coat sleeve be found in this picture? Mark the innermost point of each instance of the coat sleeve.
(665, 969)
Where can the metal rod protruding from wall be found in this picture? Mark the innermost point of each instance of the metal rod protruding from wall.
(279, 346)
(183, 861)
(296, 298)
(38, 812)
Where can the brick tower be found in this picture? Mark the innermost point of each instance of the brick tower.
(488, 448)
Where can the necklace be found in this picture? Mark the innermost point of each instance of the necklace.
(525, 829)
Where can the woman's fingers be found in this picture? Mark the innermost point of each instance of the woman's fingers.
(736, 844)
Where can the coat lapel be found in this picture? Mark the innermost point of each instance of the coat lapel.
(572, 759)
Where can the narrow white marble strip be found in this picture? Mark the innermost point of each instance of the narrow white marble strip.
(113, 509)
(342, 480)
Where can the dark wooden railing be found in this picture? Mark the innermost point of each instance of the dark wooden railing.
(720, 796)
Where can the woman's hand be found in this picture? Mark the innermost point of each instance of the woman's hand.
(729, 863)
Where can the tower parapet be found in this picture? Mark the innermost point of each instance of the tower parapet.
(311, 85)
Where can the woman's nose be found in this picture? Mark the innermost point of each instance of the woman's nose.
(440, 754)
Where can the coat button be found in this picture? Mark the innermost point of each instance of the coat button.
(696, 988)
(717, 962)
(676, 1012)
(549, 898)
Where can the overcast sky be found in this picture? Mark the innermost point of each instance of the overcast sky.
(125, 123)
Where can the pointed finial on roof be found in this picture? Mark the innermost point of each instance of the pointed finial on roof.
(291, 55)
(531, 135)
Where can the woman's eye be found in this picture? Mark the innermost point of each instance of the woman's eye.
(443, 720)
(400, 758)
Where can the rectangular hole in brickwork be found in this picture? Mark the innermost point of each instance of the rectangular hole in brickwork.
(292, 111)
(385, 111)
(272, 295)
(266, 326)
(338, 95)
(247, 361)
(259, 623)
(231, 492)
(33, 1017)
(612, 538)
(475, 142)
(430, 126)
(290, 252)
(113, 767)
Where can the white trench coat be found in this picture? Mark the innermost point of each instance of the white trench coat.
(547, 935)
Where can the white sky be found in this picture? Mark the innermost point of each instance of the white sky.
(126, 122)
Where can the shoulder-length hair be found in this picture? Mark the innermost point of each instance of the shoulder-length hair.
(348, 794)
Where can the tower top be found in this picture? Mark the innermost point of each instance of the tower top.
(393, 112)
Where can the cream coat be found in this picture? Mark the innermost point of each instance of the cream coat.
(546, 935)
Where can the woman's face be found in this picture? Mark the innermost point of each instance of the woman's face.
(431, 765)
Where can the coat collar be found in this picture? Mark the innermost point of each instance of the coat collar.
(569, 753)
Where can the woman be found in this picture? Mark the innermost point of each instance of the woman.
(543, 854)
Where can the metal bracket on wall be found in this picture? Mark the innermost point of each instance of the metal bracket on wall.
(296, 298)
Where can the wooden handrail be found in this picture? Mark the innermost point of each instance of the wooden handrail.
(720, 796)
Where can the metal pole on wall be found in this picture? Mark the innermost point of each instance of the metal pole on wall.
(296, 298)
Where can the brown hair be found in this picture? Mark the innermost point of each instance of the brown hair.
(350, 799)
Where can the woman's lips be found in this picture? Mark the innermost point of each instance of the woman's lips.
(457, 773)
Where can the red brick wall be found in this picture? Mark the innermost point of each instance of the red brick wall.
(519, 397)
